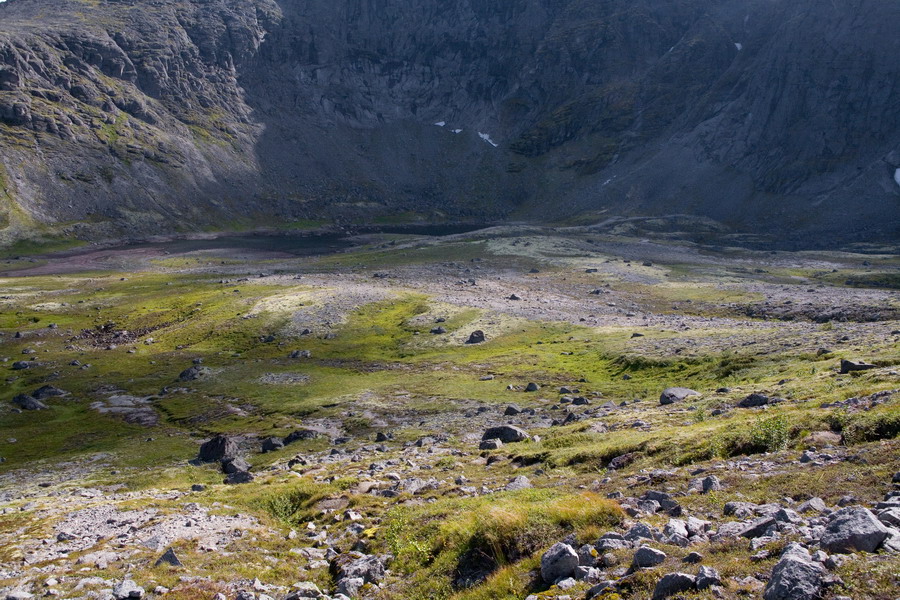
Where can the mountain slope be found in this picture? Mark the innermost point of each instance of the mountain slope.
(133, 116)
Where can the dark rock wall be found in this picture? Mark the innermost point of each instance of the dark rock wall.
(772, 115)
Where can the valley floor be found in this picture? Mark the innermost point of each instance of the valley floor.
(352, 413)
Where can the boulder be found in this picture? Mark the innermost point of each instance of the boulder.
(506, 433)
(711, 483)
(218, 448)
(795, 577)
(754, 401)
(194, 373)
(647, 557)
(26, 402)
(853, 529)
(492, 444)
(234, 464)
(352, 565)
(512, 410)
(272, 444)
(676, 394)
(707, 577)
(558, 563)
(673, 583)
(757, 527)
(476, 337)
(169, 558)
(300, 434)
(127, 589)
(848, 366)
(519, 483)
(48, 391)
(238, 477)
(814, 504)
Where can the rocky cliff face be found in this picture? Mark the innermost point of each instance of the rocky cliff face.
(130, 115)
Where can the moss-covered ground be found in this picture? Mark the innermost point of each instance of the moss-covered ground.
(374, 365)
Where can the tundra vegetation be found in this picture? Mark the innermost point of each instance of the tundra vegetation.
(223, 423)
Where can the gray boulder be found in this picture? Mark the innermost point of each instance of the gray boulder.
(493, 444)
(674, 583)
(272, 444)
(815, 504)
(48, 391)
(127, 589)
(234, 464)
(676, 394)
(647, 557)
(28, 403)
(350, 586)
(711, 484)
(476, 337)
(754, 401)
(795, 577)
(848, 366)
(506, 433)
(558, 562)
(218, 448)
(238, 477)
(519, 483)
(194, 373)
(853, 529)
(355, 565)
(707, 577)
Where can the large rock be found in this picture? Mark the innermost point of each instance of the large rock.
(476, 337)
(234, 464)
(674, 583)
(707, 577)
(48, 391)
(795, 577)
(272, 444)
(754, 400)
(558, 562)
(194, 373)
(300, 435)
(507, 434)
(28, 403)
(676, 394)
(218, 448)
(355, 565)
(853, 529)
(648, 557)
(238, 477)
(849, 366)
(127, 589)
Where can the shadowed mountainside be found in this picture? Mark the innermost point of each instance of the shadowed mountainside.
(125, 117)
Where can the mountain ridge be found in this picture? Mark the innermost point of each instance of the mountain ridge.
(126, 118)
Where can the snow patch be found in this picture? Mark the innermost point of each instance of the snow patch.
(486, 137)
(897, 176)
(739, 46)
(457, 130)
(441, 123)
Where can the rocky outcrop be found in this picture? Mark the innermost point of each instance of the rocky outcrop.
(204, 112)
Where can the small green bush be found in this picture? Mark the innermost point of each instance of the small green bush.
(771, 434)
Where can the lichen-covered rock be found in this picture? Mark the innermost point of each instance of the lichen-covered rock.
(558, 562)
(853, 529)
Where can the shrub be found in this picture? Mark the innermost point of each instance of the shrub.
(771, 434)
